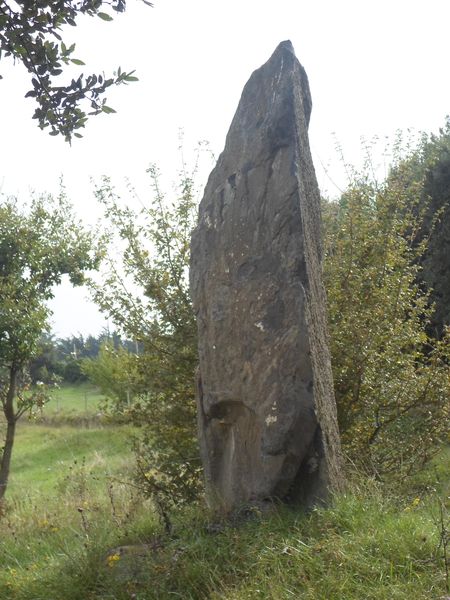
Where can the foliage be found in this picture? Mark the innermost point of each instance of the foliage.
(30, 32)
(391, 378)
(430, 164)
(37, 247)
(72, 371)
(44, 365)
(78, 347)
(63, 358)
(115, 372)
(28, 399)
(147, 298)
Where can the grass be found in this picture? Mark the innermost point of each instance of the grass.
(368, 546)
(44, 456)
(83, 398)
(68, 486)
(365, 547)
(70, 505)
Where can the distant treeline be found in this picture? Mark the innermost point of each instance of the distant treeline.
(60, 359)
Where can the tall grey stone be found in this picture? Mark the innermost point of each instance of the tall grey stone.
(266, 409)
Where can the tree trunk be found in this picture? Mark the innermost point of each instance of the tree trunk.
(8, 409)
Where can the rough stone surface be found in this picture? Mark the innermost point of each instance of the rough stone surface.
(266, 410)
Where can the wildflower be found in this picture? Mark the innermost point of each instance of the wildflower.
(112, 559)
(413, 504)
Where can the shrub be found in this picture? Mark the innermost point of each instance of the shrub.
(391, 378)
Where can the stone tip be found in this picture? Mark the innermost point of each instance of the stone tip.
(284, 54)
(286, 46)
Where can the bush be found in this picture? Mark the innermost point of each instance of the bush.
(159, 315)
(391, 378)
(114, 372)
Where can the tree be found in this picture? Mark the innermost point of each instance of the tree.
(30, 32)
(429, 165)
(146, 295)
(44, 367)
(37, 247)
(115, 372)
(392, 380)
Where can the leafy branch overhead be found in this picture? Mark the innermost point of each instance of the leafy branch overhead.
(30, 32)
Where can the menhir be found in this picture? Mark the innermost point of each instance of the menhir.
(266, 409)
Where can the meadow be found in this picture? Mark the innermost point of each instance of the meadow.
(67, 401)
(76, 527)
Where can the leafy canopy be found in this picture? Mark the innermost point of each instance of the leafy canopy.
(115, 372)
(37, 247)
(31, 33)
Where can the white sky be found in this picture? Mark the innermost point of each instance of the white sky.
(373, 67)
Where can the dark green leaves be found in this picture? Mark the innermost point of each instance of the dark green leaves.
(30, 33)
(104, 16)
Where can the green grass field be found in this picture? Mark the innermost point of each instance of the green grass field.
(72, 501)
(70, 487)
(74, 400)
(45, 455)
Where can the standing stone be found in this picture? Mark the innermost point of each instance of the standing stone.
(266, 408)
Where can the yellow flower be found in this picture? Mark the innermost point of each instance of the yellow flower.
(413, 504)
(112, 559)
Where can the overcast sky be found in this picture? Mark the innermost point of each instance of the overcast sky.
(373, 67)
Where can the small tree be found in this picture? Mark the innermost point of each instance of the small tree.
(115, 372)
(147, 297)
(37, 247)
(392, 380)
